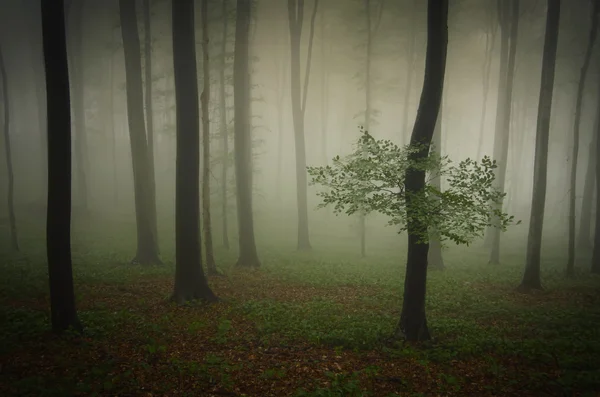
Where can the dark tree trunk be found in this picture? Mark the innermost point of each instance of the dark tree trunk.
(150, 120)
(248, 256)
(78, 78)
(531, 277)
(570, 271)
(147, 248)
(434, 256)
(413, 322)
(190, 281)
(8, 154)
(296, 18)
(224, 129)
(205, 99)
(509, 22)
(585, 225)
(58, 223)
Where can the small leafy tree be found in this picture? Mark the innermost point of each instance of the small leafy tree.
(371, 179)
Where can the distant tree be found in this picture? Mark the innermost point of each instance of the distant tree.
(58, 223)
(595, 268)
(190, 281)
(147, 247)
(585, 224)
(248, 256)
(296, 19)
(8, 153)
(531, 277)
(508, 16)
(205, 100)
(149, 119)
(570, 272)
(223, 123)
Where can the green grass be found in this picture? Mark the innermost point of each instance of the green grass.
(326, 312)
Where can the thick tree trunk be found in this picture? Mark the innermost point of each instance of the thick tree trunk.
(509, 19)
(150, 120)
(434, 256)
(58, 225)
(413, 322)
(224, 129)
(205, 100)
(248, 256)
(570, 271)
(147, 249)
(8, 154)
(531, 277)
(113, 131)
(190, 281)
(296, 18)
(595, 268)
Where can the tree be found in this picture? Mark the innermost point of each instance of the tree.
(58, 223)
(570, 272)
(8, 153)
(248, 256)
(190, 281)
(508, 16)
(223, 124)
(585, 224)
(434, 256)
(531, 277)
(205, 99)
(149, 120)
(147, 247)
(296, 18)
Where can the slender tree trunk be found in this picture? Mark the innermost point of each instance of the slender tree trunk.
(147, 248)
(248, 256)
(595, 268)
(190, 281)
(224, 129)
(113, 131)
(296, 17)
(585, 224)
(58, 224)
(205, 100)
(8, 154)
(531, 277)
(413, 322)
(570, 271)
(434, 256)
(325, 90)
(78, 79)
(150, 120)
(502, 135)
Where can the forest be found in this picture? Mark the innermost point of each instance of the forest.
(320, 198)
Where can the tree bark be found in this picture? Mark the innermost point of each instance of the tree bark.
(502, 135)
(585, 224)
(14, 240)
(147, 249)
(190, 281)
(570, 271)
(531, 277)
(248, 256)
(150, 121)
(296, 18)
(224, 129)
(413, 321)
(205, 100)
(58, 224)
(434, 256)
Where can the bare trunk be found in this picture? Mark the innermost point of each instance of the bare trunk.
(585, 224)
(224, 129)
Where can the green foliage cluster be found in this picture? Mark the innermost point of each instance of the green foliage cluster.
(372, 179)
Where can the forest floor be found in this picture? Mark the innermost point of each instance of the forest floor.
(306, 324)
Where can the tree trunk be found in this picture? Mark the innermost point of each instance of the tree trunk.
(147, 249)
(296, 17)
(413, 322)
(248, 256)
(78, 83)
(190, 281)
(224, 129)
(585, 224)
(570, 271)
(8, 153)
(324, 91)
(506, 10)
(58, 223)
(434, 256)
(205, 100)
(113, 131)
(595, 268)
(410, 59)
(150, 120)
(531, 277)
